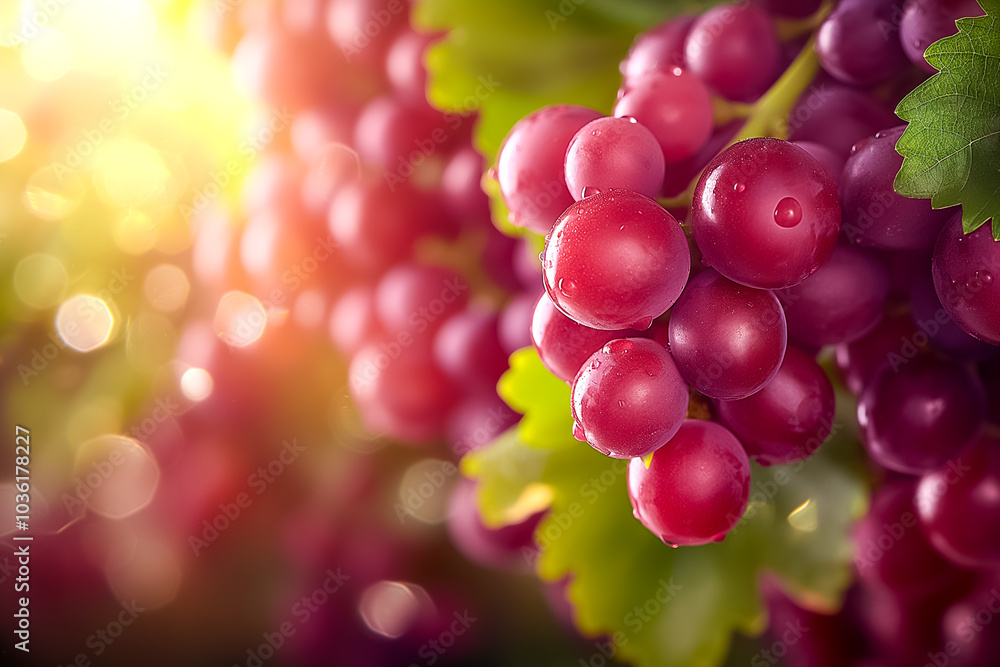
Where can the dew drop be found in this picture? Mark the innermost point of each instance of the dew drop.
(669, 543)
(739, 187)
(589, 190)
(788, 213)
(595, 364)
(631, 119)
(986, 278)
(567, 287)
(619, 346)
(579, 433)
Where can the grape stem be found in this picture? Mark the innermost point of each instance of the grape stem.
(768, 116)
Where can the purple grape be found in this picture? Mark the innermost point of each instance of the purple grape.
(837, 117)
(675, 106)
(564, 345)
(628, 398)
(415, 300)
(917, 416)
(515, 323)
(895, 339)
(765, 214)
(852, 43)
(839, 303)
(794, 9)
(966, 268)
(789, 418)
(874, 215)
(728, 339)
(926, 21)
(891, 550)
(615, 260)
(696, 487)
(530, 168)
(613, 153)
(734, 49)
(940, 329)
(658, 50)
(959, 505)
(489, 547)
(353, 321)
(826, 156)
(467, 348)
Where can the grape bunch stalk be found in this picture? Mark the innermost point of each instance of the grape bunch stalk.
(727, 247)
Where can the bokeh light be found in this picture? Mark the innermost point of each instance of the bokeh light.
(12, 134)
(115, 476)
(84, 322)
(240, 319)
(40, 280)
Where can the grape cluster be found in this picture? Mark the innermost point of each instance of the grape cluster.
(421, 294)
(698, 271)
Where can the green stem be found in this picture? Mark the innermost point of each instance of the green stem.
(768, 116)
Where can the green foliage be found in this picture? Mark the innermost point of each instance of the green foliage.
(952, 145)
(663, 606)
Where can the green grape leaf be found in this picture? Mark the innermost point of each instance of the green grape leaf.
(640, 600)
(951, 147)
(529, 388)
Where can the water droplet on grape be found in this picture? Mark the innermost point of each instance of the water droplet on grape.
(595, 364)
(567, 287)
(670, 544)
(621, 404)
(788, 212)
(739, 187)
(630, 119)
(589, 190)
(579, 433)
(986, 278)
(618, 346)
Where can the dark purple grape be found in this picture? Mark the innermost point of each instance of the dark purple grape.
(695, 488)
(794, 9)
(789, 418)
(734, 49)
(874, 215)
(959, 505)
(615, 260)
(675, 106)
(765, 214)
(926, 21)
(839, 303)
(629, 398)
(728, 339)
(891, 550)
(837, 116)
(893, 341)
(933, 319)
(564, 345)
(966, 269)
(613, 153)
(853, 45)
(917, 416)
(531, 165)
